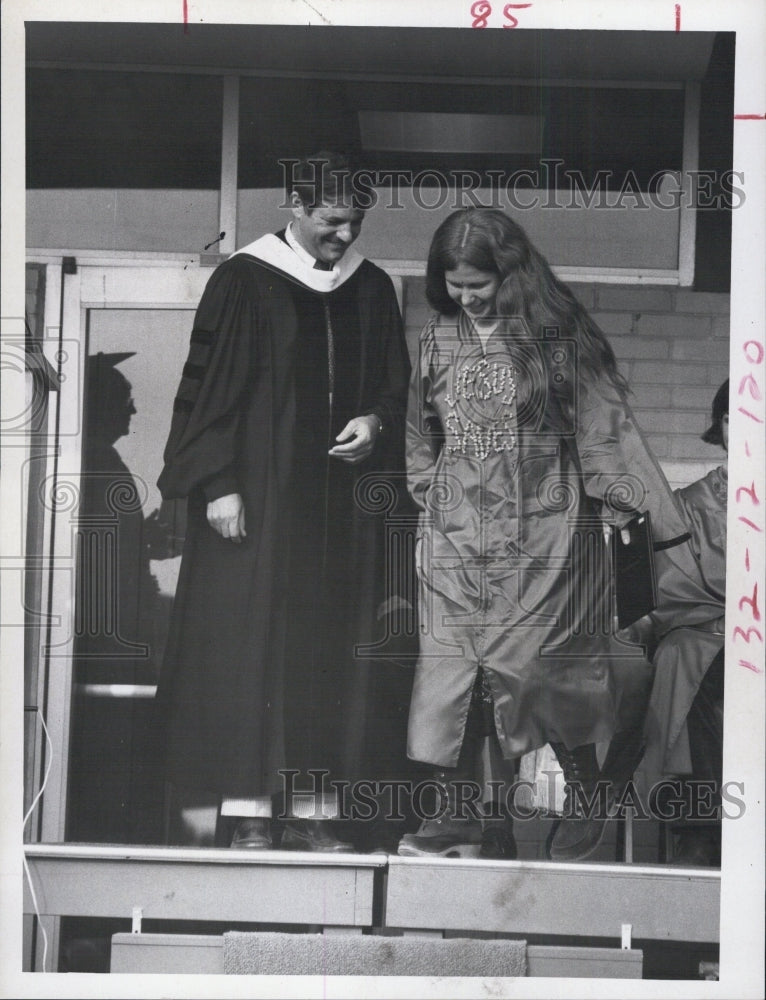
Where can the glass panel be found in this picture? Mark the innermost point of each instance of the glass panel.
(128, 555)
(106, 129)
(597, 135)
(122, 219)
(593, 146)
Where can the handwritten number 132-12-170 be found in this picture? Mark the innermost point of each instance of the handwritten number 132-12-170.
(481, 11)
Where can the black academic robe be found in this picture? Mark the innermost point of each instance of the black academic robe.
(266, 665)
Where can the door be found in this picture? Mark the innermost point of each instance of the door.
(115, 548)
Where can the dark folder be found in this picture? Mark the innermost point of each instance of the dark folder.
(635, 581)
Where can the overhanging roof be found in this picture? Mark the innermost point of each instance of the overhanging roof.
(443, 52)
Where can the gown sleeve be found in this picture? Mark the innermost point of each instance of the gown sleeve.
(619, 469)
(618, 466)
(201, 452)
(706, 517)
(423, 425)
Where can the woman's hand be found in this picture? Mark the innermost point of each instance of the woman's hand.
(226, 515)
(361, 433)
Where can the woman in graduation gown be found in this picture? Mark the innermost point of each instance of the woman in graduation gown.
(521, 446)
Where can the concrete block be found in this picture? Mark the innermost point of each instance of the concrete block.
(643, 348)
(690, 397)
(689, 447)
(721, 326)
(673, 421)
(614, 323)
(658, 444)
(716, 351)
(716, 375)
(683, 473)
(633, 299)
(625, 368)
(669, 373)
(674, 326)
(585, 294)
(702, 302)
(649, 396)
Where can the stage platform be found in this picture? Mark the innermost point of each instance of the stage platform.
(204, 954)
(375, 893)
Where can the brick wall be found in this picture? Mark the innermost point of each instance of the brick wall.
(672, 346)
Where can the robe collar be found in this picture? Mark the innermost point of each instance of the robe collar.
(280, 257)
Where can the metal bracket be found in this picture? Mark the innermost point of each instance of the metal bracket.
(627, 932)
(138, 914)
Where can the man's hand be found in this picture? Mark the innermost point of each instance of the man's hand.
(360, 435)
(226, 515)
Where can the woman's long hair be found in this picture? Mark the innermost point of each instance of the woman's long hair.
(489, 240)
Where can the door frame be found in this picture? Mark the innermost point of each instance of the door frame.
(128, 282)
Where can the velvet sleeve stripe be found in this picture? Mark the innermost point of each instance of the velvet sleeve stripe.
(204, 441)
(204, 337)
(193, 371)
(188, 391)
(188, 388)
(199, 358)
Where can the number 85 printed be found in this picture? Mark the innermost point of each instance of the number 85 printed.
(482, 10)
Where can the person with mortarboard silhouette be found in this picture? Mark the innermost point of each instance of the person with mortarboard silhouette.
(114, 783)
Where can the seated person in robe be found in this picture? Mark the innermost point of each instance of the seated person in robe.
(684, 727)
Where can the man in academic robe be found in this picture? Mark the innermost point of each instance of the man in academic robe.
(287, 440)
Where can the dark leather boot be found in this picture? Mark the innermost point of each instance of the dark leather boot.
(581, 828)
(448, 835)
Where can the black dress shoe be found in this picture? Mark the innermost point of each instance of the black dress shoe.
(312, 835)
(253, 834)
